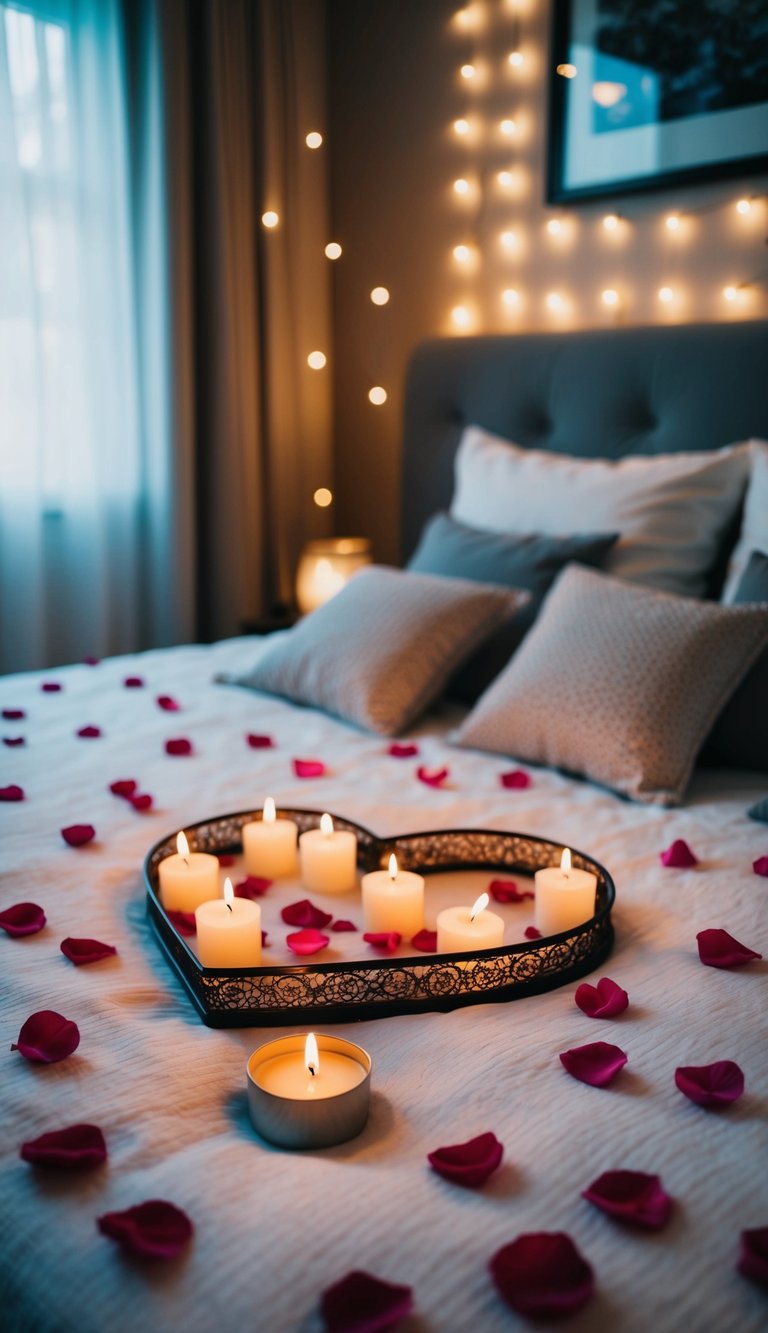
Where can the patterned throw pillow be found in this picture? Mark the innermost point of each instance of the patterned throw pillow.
(380, 651)
(619, 683)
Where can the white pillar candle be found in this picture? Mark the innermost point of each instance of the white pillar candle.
(328, 858)
(229, 931)
(187, 878)
(462, 928)
(269, 844)
(565, 897)
(393, 900)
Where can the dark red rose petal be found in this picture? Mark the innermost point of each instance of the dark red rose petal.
(432, 777)
(184, 922)
(81, 951)
(89, 733)
(76, 1146)
(90, 660)
(305, 913)
(179, 746)
(542, 1275)
(383, 939)
(604, 1000)
(506, 891)
(517, 780)
(532, 933)
(77, 835)
(342, 924)
(305, 942)
(13, 741)
(13, 714)
(264, 939)
(679, 855)
(168, 703)
(51, 687)
(12, 793)
(225, 858)
(597, 1063)
(760, 866)
(133, 683)
(123, 787)
(717, 1084)
(361, 1303)
(632, 1197)
(258, 742)
(753, 1259)
(469, 1163)
(47, 1037)
(141, 802)
(151, 1230)
(425, 941)
(309, 768)
(255, 886)
(22, 919)
(719, 949)
(403, 750)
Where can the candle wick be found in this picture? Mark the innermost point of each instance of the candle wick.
(229, 905)
(311, 1069)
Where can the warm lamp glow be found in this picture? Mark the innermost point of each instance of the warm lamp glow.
(332, 250)
(379, 296)
(461, 317)
(182, 846)
(508, 240)
(672, 222)
(478, 906)
(316, 360)
(505, 178)
(666, 295)
(325, 566)
(744, 206)
(609, 296)
(462, 254)
(611, 221)
(566, 71)
(554, 301)
(508, 127)
(377, 395)
(269, 813)
(270, 219)
(607, 94)
(313, 139)
(323, 497)
(468, 71)
(311, 1055)
(554, 226)
(515, 59)
(461, 126)
(509, 296)
(461, 186)
(730, 293)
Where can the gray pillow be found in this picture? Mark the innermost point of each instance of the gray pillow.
(380, 651)
(619, 683)
(524, 560)
(739, 738)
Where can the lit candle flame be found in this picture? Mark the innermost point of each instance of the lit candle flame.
(565, 861)
(393, 867)
(479, 906)
(326, 825)
(269, 815)
(182, 846)
(229, 893)
(311, 1054)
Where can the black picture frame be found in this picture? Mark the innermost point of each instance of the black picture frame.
(696, 110)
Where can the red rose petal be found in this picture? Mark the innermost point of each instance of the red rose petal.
(717, 1084)
(264, 939)
(22, 919)
(597, 1063)
(532, 933)
(305, 913)
(255, 886)
(517, 780)
(12, 741)
(632, 1197)
(257, 742)
(134, 683)
(719, 949)
(506, 891)
(89, 733)
(90, 660)
(47, 1037)
(305, 942)
(604, 1000)
(542, 1275)
(383, 939)
(225, 858)
(141, 802)
(123, 787)
(184, 922)
(12, 793)
(81, 951)
(13, 714)
(178, 746)
(403, 750)
(151, 1230)
(425, 941)
(168, 703)
(77, 1145)
(753, 1259)
(308, 768)
(361, 1303)
(342, 925)
(760, 866)
(433, 777)
(679, 855)
(77, 835)
(469, 1163)
(50, 687)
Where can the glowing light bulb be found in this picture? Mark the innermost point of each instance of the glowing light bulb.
(316, 360)
(515, 59)
(461, 186)
(505, 178)
(332, 250)
(744, 206)
(672, 222)
(508, 127)
(554, 226)
(554, 301)
(462, 254)
(379, 296)
(313, 139)
(730, 293)
(323, 497)
(609, 296)
(508, 240)
(468, 71)
(509, 296)
(377, 395)
(270, 219)
(566, 71)
(461, 126)
(461, 317)
(611, 221)
(666, 295)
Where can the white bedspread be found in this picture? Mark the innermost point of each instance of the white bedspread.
(274, 1228)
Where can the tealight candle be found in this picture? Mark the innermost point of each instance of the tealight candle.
(229, 931)
(328, 858)
(393, 900)
(565, 897)
(187, 878)
(308, 1092)
(462, 928)
(269, 844)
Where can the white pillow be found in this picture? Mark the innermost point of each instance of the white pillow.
(671, 510)
(754, 524)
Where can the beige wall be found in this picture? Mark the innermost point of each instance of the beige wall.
(394, 93)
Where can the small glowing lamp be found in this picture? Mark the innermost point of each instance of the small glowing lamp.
(462, 254)
(379, 296)
(325, 566)
(270, 219)
(554, 226)
(508, 240)
(515, 59)
(611, 222)
(313, 139)
(666, 295)
(323, 497)
(730, 293)
(377, 395)
(609, 296)
(744, 206)
(461, 186)
(566, 71)
(332, 250)
(316, 360)
(672, 222)
(505, 178)
(508, 127)
(461, 126)
(509, 296)
(468, 71)
(461, 317)
(554, 301)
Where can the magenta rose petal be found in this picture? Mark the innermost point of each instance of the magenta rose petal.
(425, 941)
(760, 866)
(12, 793)
(77, 835)
(309, 768)
(141, 801)
(168, 703)
(76, 1146)
(51, 687)
(256, 741)
(134, 682)
(388, 940)
(90, 660)
(403, 750)
(597, 1063)
(124, 787)
(255, 886)
(679, 855)
(342, 925)
(225, 858)
(184, 922)
(89, 733)
(469, 1163)
(517, 780)
(717, 1084)
(13, 741)
(361, 1303)
(542, 1275)
(432, 777)
(22, 919)
(305, 942)
(305, 913)
(632, 1197)
(753, 1258)
(82, 951)
(719, 949)
(604, 1000)
(506, 891)
(13, 714)
(47, 1037)
(178, 746)
(532, 933)
(151, 1230)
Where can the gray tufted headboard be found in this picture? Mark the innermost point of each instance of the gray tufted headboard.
(598, 394)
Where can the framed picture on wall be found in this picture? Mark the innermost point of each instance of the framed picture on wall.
(645, 94)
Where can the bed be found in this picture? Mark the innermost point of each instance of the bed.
(274, 1229)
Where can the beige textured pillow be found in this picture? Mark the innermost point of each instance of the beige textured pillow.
(618, 682)
(381, 650)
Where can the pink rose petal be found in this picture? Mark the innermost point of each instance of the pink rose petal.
(403, 750)
(134, 683)
(76, 1146)
(342, 924)
(361, 1303)
(383, 939)
(259, 742)
(13, 714)
(51, 687)
(47, 1037)
(22, 919)
(179, 746)
(469, 1163)
(151, 1230)
(305, 942)
(753, 1259)
(433, 777)
(225, 858)
(141, 801)
(168, 703)
(719, 949)
(425, 941)
(12, 741)
(679, 855)
(89, 733)
(506, 891)
(309, 768)
(604, 1000)
(305, 913)
(760, 866)
(517, 780)
(532, 933)
(632, 1197)
(123, 787)
(717, 1084)
(597, 1063)
(81, 951)
(542, 1275)
(255, 886)
(12, 793)
(77, 835)
(184, 922)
